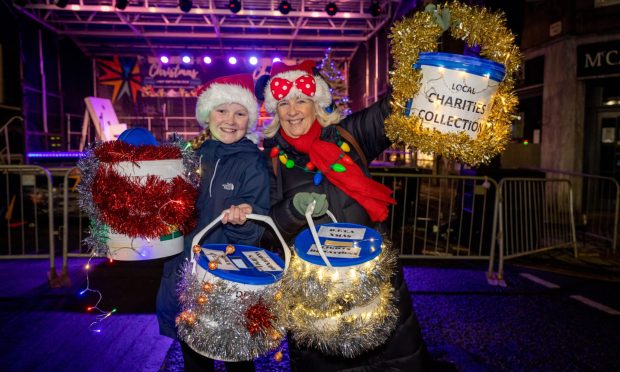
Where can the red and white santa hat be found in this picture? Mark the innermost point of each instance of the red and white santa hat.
(295, 81)
(227, 89)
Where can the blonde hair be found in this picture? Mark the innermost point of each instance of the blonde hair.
(325, 119)
(197, 141)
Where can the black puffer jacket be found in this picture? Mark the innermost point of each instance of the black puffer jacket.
(367, 128)
(404, 350)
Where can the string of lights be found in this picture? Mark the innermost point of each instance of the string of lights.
(96, 325)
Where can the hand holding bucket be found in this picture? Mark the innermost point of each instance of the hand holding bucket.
(251, 216)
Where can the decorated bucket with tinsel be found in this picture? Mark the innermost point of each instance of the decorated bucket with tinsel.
(140, 198)
(456, 92)
(134, 247)
(338, 288)
(231, 299)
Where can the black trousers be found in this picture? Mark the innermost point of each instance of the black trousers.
(198, 363)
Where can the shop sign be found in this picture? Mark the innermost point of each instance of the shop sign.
(598, 59)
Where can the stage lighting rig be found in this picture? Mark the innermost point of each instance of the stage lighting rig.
(284, 7)
(375, 8)
(121, 4)
(186, 5)
(234, 6)
(331, 8)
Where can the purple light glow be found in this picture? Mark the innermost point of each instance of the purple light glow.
(73, 154)
(253, 61)
(186, 59)
(232, 60)
(164, 59)
(275, 59)
(207, 60)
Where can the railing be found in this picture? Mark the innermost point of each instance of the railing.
(597, 205)
(437, 217)
(5, 150)
(28, 211)
(533, 215)
(447, 217)
(74, 232)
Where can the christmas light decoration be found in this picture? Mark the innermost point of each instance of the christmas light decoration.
(332, 73)
(341, 305)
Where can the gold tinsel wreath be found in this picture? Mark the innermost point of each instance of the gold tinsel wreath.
(420, 33)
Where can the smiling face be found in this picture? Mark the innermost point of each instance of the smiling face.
(228, 122)
(296, 115)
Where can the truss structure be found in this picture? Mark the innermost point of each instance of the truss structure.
(160, 26)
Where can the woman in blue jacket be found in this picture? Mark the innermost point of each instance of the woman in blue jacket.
(234, 177)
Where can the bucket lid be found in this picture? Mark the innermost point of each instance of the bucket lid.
(138, 137)
(344, 244)
(473, 65)
(247, 265)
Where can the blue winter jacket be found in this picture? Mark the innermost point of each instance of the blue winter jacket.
(230, 175)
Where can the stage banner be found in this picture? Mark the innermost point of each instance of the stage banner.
(145, 87)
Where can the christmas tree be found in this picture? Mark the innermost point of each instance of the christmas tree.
(334, 77)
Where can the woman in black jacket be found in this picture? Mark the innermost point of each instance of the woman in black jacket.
(307, 149)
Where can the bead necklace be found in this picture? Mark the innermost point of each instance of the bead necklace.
(336, 166)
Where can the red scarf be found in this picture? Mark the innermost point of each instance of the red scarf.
(371, 195)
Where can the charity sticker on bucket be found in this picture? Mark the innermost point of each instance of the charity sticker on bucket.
(456, 92)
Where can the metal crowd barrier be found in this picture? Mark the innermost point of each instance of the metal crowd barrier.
(597, 206)
(28, 211)
(437, 217)
(533, 215)
(75, 231)
(445, 217)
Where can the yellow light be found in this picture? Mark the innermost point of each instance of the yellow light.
(335, 275)
(353, 274)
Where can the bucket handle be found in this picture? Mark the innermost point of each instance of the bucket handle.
(251, 216)
(314, 233)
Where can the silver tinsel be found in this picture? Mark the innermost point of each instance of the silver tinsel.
(88, 166)
(190, 160)
(219, 327)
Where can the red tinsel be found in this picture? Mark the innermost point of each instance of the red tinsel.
(117, 151)
(258, 318)
(157, 208)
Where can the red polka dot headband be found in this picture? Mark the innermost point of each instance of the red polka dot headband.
(293, 81)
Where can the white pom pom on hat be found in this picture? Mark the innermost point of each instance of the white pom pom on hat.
(228, 89)
(322, 95)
